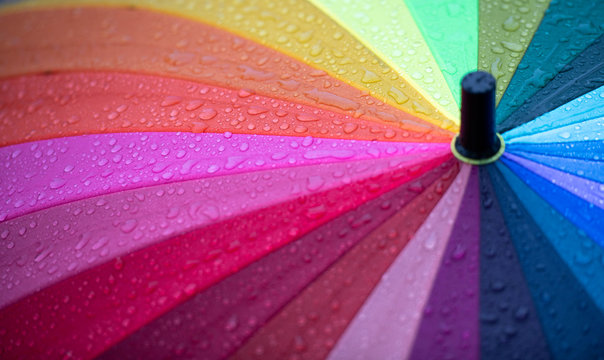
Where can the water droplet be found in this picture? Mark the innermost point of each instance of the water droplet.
(511, 24)
(190, 289)
(207, 114)
(300, 129)
(327, 98)
(193, 105)
(349, 128)
(129, 225)
(430, 241)
(565, 135)
(370, 77)
(315, 182)
(256, 110)
(171, 100)
(100, 243)
(512, 46)
(307, 141)
(231, 323)
(243, 93)
(459, 252)
(306, 117)
(398, 95)
(521, 313)
(57, 183)
(316, 212)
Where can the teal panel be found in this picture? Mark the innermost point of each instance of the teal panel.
(567, 28)
(585, 108)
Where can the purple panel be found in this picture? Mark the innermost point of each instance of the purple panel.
(449, 328)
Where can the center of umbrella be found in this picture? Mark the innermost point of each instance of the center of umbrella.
(477, 142)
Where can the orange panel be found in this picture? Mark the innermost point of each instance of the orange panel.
(106, 39)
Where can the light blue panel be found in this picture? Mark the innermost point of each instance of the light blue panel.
(586, 150)
(585, 108)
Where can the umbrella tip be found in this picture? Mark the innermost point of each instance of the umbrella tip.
(477, 142)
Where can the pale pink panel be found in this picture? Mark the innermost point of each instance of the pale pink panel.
(46, 173)
(385, 326)
(42, 247)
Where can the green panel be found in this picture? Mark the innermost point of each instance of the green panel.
(388, 29)
(451, 30)
(506, 28)
(566, 30)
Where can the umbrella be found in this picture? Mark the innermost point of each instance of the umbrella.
(295, 179)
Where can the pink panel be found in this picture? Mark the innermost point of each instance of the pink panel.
(40, 248)
(449, 325)
(46, 173)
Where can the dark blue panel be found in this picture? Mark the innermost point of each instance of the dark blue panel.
(572, 323)
(509, 326)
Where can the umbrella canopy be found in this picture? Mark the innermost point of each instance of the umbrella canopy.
(269, 180)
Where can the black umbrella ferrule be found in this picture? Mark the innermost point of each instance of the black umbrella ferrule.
(477, 142)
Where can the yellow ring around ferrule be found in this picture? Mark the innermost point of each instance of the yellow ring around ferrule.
(479, 161)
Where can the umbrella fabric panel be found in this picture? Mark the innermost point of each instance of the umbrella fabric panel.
(509, 326)
(38, 42)
(312, 36)
(572, 323)
(585, 150)
(588, 190)
(588, 169)
(572, 243)
(238, 306)
(312, 322)
(505, 32)
(582, 111)
(146, 277)
(454, 43)
(582, 75)
(386, 325)
(592, 128)
(583, 214)
(565, 31)
(389, 30)
(46, 173)
(88, 232)
(86, 103)
(449, 325)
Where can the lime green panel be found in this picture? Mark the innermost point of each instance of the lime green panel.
(451, 30)
(506, 29)
(301, 30)
(388, 29)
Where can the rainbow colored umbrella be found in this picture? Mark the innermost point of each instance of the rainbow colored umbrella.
(283, 180)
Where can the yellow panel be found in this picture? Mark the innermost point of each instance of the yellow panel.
(298, 29)
(389, 30)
